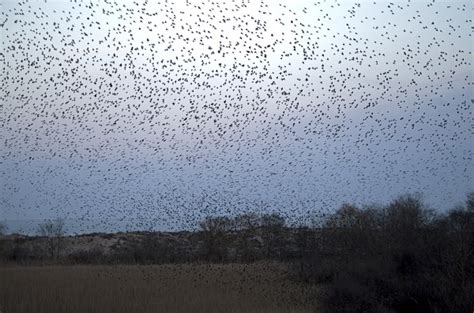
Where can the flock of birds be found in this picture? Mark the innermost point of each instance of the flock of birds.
(162, 113)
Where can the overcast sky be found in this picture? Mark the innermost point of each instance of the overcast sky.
(163, 112)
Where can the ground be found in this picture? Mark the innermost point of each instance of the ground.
(261, 287)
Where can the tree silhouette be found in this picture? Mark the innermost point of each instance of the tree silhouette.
(53, 230)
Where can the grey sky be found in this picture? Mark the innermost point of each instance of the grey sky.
(173, 110)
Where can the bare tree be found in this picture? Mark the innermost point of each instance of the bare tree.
(247, 222)
(53, 230)
(273, 221)
(3, 228)
(470, 202)
(273, 233)
(247, 243)
(214, 231)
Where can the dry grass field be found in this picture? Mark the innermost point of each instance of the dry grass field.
(155, 288)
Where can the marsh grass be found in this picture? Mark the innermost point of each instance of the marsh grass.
(261, 287)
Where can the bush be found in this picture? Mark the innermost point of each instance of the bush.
(91, 256)
(401, 258)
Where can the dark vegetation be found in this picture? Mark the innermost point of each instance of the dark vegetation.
(259, 287)
(398, 258)
(402, 257)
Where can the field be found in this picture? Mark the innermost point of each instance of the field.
(193, 288)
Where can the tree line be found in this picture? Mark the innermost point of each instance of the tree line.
(400, 257)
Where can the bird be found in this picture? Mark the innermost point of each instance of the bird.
(145, 115)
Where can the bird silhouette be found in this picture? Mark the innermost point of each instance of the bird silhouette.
(153, 115)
